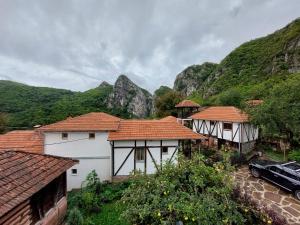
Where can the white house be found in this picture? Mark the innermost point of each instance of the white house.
(145, 145)
(226, 125)
(112, 146)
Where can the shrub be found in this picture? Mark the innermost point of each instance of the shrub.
(90, 201)
(294, 155)
(75, 217)
(237, 158)
(191, 192)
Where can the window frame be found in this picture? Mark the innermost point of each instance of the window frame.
(165, 152)
(231, 125)
(64, 136)
(92, 136)
(140, 154)
(72, 173)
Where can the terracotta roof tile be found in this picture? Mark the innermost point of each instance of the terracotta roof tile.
(169, 118)
(222, 113)
(95, 121)
(23, 140)
(22, 174)
(187, 103)
(152, 130)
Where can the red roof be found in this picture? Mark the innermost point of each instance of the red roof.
(222, 113)
(152, 130)
(23, 174)
(187, 103)
(23, 140)
(169, 118)
(95, 121)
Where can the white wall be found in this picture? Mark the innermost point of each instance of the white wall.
(93, 154)
(128, 167)
(238, 135)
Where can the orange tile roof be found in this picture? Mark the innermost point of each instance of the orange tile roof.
(23, 140)
(95, 121)
(169, 118)
(23, 174)
(152, 130)
(187, 103)
(222, 113)
(254, 102)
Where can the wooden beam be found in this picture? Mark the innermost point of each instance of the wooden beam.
(173, 154)
(134, 158)
(153, 160)
(161, 154)
(145, 164)
(113, 158)
(124, 161)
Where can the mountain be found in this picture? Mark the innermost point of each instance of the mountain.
(262, 61)
(27, 106)
(128, 96)
(192, 78)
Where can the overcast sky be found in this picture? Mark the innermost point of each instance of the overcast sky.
(77, 44)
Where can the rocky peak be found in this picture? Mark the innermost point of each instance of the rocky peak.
(193, 77)
(134, 99)
(104, 84)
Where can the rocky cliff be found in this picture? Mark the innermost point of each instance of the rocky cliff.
(193, 78)
(256, 61)
(128, 96)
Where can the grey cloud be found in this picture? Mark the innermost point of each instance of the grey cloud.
(77, 44)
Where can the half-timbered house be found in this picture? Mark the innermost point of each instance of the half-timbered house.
(144, 145)
(32, 188)
(226, 125)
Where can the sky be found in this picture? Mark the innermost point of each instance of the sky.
(77, 44)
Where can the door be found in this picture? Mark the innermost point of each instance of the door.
(140, 159)
(274, 174)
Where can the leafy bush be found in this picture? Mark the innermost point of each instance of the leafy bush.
(191, 192)
(237, 158)
(75, 217)
(294, 155)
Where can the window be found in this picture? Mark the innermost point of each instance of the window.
(212, 123)
(165, 150)
(74, 171)
(227, 126)
(140, 154)
(64, 136)
(91, 135)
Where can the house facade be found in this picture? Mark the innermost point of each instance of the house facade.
(114, 147)
(83, 138)
(145, 145)
(32, 188)
(226, 125)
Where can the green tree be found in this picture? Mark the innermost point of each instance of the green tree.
(3, 123)
(231, 97)
(279, 115)
(190, 191)
(165, 104)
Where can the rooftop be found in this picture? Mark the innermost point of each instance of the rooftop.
(23, 174)
(23, 140)
(169, 118)
(222, 113)
(187, 104)
(95, 121)
(254, 102)
(152, 130)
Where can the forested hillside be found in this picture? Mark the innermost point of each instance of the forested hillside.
(25, 106)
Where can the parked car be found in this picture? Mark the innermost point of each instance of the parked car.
(285, 175)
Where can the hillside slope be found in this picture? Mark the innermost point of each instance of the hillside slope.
(268, 58)
(27, 106)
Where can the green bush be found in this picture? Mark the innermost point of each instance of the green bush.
(294, 155)
(191, 192)
(75, 217)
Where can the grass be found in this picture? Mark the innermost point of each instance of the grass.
(274, 155)
(109, 215)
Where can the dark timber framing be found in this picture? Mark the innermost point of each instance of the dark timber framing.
(146, 149)
(218, 127)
